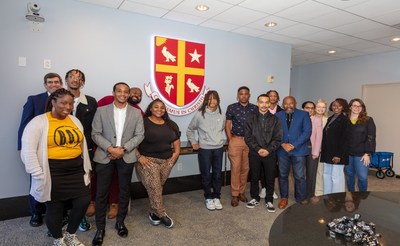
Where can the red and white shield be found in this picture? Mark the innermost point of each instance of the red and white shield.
(179, 70)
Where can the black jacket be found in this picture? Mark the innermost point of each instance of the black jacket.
(263, 136)
(335, 140)
(85, 113)
(362, 138)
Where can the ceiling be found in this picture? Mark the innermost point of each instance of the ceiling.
(313, 27)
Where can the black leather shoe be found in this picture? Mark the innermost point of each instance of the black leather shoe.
(36, 220)
(98, 238)
(121, 229)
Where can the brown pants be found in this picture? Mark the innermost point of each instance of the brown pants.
(153, 178)
(238, 154)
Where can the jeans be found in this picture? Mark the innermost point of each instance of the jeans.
(298, 163)
(211, 160)
(333, 178)
(356, 168)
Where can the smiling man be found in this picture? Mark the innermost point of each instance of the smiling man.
(296, 126)
(117, 130)
(84, 109)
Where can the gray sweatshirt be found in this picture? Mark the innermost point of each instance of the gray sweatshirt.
(210, 129)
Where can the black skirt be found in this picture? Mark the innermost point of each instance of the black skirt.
(67, 179)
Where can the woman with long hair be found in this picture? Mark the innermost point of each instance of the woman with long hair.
(209, 123)
(362, 143)
(156, 158)
(55, 153)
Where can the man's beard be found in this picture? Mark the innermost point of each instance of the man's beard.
(133, 102)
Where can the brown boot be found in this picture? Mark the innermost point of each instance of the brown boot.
(283, 203)
(91, 210)
(314, 199)
(113, 211)
(243, 198)
(235, 201)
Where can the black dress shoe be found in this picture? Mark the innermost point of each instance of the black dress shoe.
(98, 238)
(36, 220)
(121, 229)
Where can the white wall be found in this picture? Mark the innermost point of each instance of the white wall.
(111, 46)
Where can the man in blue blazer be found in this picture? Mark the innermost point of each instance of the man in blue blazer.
(296, 126)
(34, 106)
(117, 129)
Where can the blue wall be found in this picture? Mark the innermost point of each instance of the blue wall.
(111, 46)
(344, 78)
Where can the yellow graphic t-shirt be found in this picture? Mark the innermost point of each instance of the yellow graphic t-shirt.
(64, 139)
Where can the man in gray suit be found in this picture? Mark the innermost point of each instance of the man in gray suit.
(117, 129)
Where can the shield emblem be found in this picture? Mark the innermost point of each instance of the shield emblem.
(178, 69)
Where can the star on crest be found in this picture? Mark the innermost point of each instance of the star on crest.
(195, 56)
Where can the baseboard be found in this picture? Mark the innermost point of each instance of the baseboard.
(16, 207)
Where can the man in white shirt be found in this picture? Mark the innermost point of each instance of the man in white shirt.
(117, 130)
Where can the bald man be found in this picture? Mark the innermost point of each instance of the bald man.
(296, 126)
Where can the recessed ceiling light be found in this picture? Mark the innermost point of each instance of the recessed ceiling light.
(396, 39)
(270, 24)
(202, 7)
(332, 51)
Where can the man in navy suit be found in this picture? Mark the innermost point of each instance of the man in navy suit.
(296, 126)
(34, 106)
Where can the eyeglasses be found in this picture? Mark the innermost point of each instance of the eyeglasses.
(356, 106)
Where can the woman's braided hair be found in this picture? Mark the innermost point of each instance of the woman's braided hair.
(55, 95)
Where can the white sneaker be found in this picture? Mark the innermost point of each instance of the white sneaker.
(210, 204)
(72, 240)
(252, 203)
(217, 204)
(59, 242)
(263, 193)
(275, 196)
(270, 207)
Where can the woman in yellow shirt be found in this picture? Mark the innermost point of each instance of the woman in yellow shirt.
(55, 153)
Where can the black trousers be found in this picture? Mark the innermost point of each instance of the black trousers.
(267, 165)
(311, 175)
(55, 213)
(104, 174)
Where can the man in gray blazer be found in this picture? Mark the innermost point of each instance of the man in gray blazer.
(117, 129)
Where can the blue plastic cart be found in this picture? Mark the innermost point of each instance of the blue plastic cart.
(383, 162)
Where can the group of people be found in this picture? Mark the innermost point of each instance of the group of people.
(72, 146)
(81, 153)
(345, 140)
(266, 141)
